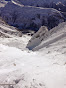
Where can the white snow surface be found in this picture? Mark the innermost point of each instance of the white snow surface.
(45, 68)
(32, 69)
(44, 38)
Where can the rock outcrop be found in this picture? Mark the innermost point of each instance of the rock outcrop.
(43, 38)
(37, 38)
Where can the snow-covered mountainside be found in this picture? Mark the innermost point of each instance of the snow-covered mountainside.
(37, 37)
(46, 68)
(10, 36)
(37, 61)
(8, 31)
(44, 38)
(28, 17)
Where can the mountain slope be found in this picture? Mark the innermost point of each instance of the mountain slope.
(56, 4)
(50, 38)
(28, 17)
(7, 31)
(45, 68)
(38, 2)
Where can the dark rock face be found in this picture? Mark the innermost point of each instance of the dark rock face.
(52, 22)
(61, 6)
(29, 17)
(26, 17)
(65, 3)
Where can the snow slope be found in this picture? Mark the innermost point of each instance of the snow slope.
(56, 36)
(26, 69)
(10, 36)
(43, 68)
(8, 31)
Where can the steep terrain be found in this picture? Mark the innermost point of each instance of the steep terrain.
(39, 2)
(44, 38)
(57, 4)
(10, 36)
(45, 68)
(7, 31)
(28, 17)
(37, 61)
